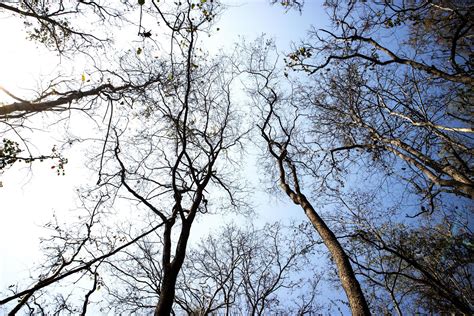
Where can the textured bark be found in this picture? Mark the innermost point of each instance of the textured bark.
(346, 274)
(349, 282)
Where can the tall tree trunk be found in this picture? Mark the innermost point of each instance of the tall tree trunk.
(350, 284)
(167, 292)
(171, 268)
(346, 274)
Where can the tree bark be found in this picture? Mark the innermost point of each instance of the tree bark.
(172, 268)
(350, 284)
(346, 274)
(165, 303)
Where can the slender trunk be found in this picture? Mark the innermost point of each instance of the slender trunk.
(350, 284)
(346, 274)
(171, 270)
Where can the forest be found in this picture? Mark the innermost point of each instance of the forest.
(170, 168)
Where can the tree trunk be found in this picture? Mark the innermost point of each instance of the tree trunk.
(167, 292)
(172, 268)
(349, 282)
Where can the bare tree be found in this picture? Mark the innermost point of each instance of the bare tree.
(411, 104)
(397, 107)
(165, 149)
(236, 271)
(279, 128)
(57, 24)
(267, 270)
(373, 110)
(379, 106)
(60, 26)
(426, 261)
(363, 31)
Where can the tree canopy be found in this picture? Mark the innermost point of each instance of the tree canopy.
(361, 129)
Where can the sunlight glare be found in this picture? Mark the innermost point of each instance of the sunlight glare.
(21, 60)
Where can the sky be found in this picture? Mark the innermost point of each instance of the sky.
(30, 195)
